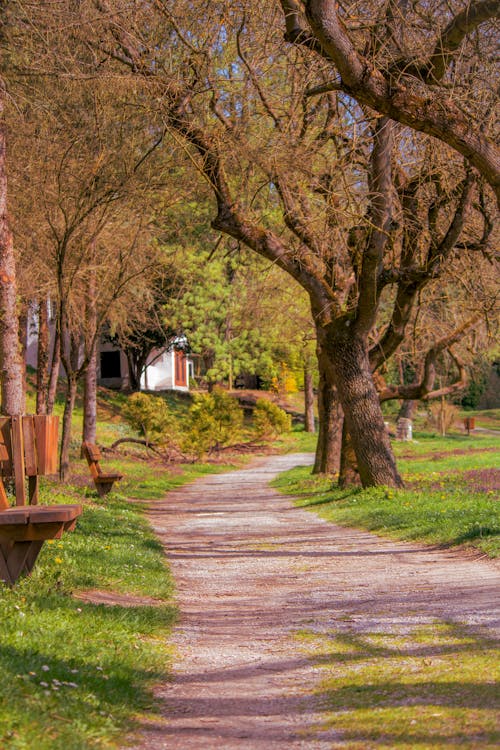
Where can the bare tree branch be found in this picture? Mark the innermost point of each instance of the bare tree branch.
(434, 114)
(424, 389)
(380, 216)
(451, 38)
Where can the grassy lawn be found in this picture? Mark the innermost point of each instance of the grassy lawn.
(451, 494)
(76, 674)
(73, 673)
(296, 441)
(421, 687)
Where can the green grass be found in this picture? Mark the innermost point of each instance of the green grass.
(443, 502)
(76, 675)
(297, 441)
(73, 673)
(431, 686)
(431, 443)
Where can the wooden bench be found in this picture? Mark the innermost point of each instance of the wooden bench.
(28, 447)
(103, 482)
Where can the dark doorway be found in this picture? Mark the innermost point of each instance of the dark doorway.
(110, 365)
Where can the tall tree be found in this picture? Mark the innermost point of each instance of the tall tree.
(11, 366)
(233, 312)
(91, 178)
(309, 186)
(303, 173)
(89, 431)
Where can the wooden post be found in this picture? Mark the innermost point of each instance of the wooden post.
(30, 462)
(18, 458)
(31, 466)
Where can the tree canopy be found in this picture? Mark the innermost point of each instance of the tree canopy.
(352, 147)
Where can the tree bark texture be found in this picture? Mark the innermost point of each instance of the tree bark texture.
(407, 409)
(42, 366)
(54, 372)
(309, 401)
(347, 353)
(327, 459)
(135, 369)
(11, 365)
(71, 348)
(348, 474)
(23, 344)
(90, 398)
(90, 374)
(69, 406)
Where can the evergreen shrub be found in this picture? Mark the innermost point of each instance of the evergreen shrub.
(269, 420)
(215, 420)
(150, 416)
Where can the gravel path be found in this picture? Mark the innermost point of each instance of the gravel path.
(250, 570)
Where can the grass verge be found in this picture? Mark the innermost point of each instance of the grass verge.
(451, 496)
(296, 441)
(418, 687)
(75, 674)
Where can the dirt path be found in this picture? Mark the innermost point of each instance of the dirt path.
(250, 570)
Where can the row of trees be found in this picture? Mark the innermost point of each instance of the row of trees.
(104, 239)
(351, 147)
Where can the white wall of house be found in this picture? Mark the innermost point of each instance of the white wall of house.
(32, 334)
(112, 365)
(160, 373)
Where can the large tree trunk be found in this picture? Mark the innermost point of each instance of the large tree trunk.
(42, 365)
(11, 366)
(69, 406)
(23, 345)
(327, 459)
(54, 372)
(71, 349)
(348, 358)
(134, 372)
(348, 474)
(308, 401)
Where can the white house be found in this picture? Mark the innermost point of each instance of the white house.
(172, 369)
(167, 369)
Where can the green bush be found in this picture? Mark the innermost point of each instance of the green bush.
(215, 420)
(150, 416)
(269, 420)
